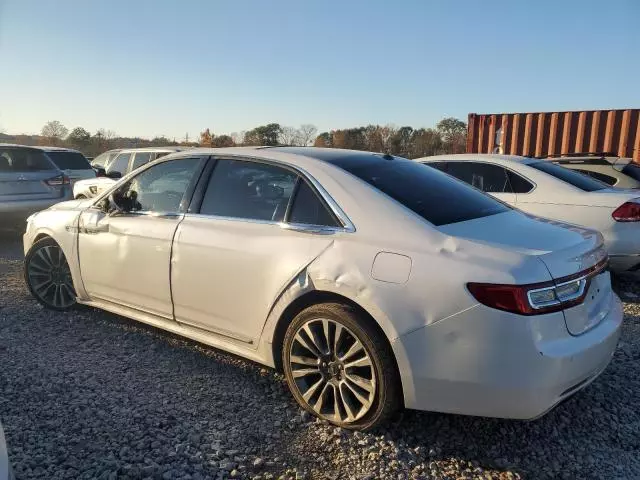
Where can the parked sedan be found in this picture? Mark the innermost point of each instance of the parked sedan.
(543, 188)
(372, 281)
(29, 181)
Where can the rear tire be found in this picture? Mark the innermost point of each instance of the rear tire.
(48, 276)
(339, 367)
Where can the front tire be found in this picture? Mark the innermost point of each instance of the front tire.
(339, 367)
(48, 276)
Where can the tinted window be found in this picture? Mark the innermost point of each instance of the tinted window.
(160, 188)
(431, 194)
(576, 179)
(442, 166)
(69, 160)
(599, 176)
(308, 209)
(119, 164)
(251, 190)
(101, 159)
(518, 183)
(632, 170)
(23, 160)
(139, 159)
(483, 176)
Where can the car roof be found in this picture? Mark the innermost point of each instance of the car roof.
(151, 149)
(461, 157)
(299, 156)
(56, 149)
(15, 145)
(591, 160)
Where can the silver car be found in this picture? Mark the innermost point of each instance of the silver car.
(72, 163)
(29, 182)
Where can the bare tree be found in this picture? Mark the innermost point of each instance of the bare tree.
(306, 134)
(238, 138)
(54, 131)
(288, 136)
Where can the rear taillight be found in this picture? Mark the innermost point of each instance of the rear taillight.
(628, 211)
(58, 181)
(537, 298)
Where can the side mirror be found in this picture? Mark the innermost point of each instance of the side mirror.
(114, 175)
(100, 172)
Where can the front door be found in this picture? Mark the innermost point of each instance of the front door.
(125, 255)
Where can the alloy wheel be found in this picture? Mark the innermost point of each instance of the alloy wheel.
(332, 370)
(50, 278)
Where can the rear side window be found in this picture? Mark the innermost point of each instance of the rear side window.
(119, 164)
(519, 184)
(308, 209)
(433, 195)
(483, 176)
(248, 190)
(140, 159)
(576, 179)
(69, 160)
(23, 160)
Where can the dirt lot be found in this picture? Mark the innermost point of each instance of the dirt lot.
(93, 395)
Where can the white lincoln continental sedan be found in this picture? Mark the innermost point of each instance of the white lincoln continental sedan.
(373, 282)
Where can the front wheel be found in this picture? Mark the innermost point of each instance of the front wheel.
(48, 276)
(339, 367)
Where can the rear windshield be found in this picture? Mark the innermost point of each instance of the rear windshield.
(23, 160)
(435, 196)
(632, 170)
(69, 160)
(571, 177)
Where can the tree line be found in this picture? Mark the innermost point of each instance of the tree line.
(448, 136)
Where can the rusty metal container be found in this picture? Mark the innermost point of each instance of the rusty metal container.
(540, 134)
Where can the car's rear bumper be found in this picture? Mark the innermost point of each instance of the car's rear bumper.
(494, 364)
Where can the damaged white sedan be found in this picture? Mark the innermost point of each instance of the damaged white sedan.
(373, 282)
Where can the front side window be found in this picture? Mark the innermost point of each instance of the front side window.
(248, 190)
(140, 159)
(119, 164)
(577, 179)
(159, 188)
(484, 176)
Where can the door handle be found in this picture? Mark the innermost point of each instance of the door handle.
(168, 215)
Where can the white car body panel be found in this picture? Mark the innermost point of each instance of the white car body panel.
(229, 282)
(92, 187)
(554, 199)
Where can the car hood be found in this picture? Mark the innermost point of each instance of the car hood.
(95, 181)
(565, 249)
(73, 204)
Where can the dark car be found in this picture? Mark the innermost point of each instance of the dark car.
(616, 171)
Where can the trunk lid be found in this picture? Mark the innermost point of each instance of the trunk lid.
(566, 250)
(16, 186)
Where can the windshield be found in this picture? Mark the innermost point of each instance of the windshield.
(577, 179)
(435, 196)
(69, 160)
(23, 160)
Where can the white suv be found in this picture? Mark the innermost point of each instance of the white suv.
(125, 162)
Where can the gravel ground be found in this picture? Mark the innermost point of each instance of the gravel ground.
(93, 395)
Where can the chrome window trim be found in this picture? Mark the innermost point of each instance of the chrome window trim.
(295, 227)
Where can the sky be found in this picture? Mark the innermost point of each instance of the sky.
(175, 67)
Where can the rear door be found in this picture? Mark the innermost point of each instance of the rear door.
(27, 174)
(233, 255)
